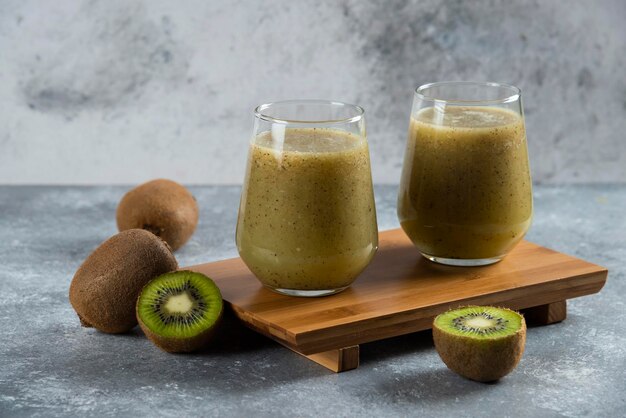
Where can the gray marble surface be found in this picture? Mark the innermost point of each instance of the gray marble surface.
(50, 366)
(121, 91)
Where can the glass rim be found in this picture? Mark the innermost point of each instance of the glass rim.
(515, 95)
(259, 112)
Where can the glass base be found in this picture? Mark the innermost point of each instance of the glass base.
(307, 293)
(461, 262)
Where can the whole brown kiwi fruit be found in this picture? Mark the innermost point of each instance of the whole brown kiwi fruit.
(105, 288)
(163, 207)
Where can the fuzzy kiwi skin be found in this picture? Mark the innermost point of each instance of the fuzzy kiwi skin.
(163, 207)
(181, 345)
(482, 360)
(106, 286)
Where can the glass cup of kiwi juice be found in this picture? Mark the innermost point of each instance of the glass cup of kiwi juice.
(307, 219)
(465, 196)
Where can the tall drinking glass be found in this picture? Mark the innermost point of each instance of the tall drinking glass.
(307, 220)
(465, 194)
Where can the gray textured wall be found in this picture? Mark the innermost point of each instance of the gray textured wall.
(122, 91)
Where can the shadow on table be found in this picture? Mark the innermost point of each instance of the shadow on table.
(434, 384)
(376, 351)
(240, 361)
(233, 339)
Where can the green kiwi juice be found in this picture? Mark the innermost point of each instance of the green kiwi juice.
(307, 218)
(465, 190)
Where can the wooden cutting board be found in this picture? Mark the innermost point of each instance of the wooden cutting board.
(401, 292)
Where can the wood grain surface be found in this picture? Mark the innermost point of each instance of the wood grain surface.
(401, 292)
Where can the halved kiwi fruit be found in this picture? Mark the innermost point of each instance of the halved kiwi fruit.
(179, 311)
(482, 343)
(163, 207)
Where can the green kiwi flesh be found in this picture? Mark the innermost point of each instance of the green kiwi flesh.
(179, 311)
(163, 207)
(105, 287)
(481, 343)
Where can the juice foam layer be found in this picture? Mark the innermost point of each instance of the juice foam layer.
(309, 140)
(467, 117)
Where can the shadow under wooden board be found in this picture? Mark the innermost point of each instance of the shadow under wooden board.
(401, 292)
